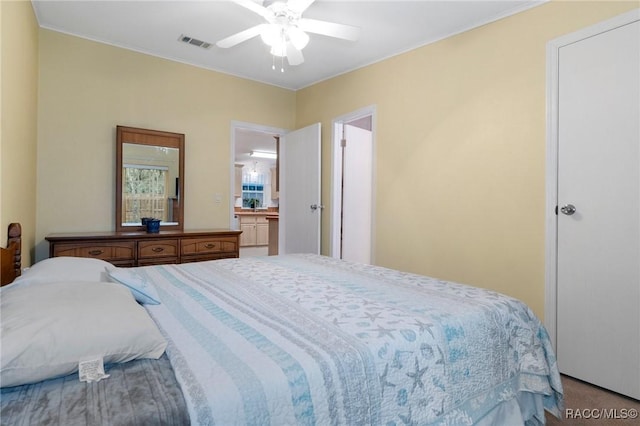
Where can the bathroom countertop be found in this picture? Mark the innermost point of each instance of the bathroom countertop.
(256, 213)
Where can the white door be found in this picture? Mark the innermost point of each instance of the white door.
(300, 204)
(357, 194)
(598, 244)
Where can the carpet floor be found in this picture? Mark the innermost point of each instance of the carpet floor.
(589, 405)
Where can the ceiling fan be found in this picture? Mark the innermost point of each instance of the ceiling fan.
(285, 31)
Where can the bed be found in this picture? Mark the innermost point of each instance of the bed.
(11, 257)
(307, 339)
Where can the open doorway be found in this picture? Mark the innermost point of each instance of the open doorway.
(254, 186)
(352, 216)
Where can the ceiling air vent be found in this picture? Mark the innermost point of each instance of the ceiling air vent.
(194, 41)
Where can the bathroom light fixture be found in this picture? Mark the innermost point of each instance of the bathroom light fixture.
(263, 154)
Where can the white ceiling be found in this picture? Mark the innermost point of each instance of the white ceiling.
(387, 29)
(250, 140)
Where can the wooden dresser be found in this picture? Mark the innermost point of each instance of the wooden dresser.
(141, 248)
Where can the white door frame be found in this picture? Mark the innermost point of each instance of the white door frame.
(336, 178)
(553, 49)
(236, 125)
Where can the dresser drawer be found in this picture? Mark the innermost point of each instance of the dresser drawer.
(157, 248)
(109, 251)
(210, 256)
(141, 248)
(190, 246)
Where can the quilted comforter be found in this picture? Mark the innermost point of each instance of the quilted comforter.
(306, 339)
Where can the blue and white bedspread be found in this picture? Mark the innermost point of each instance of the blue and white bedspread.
(306, 339)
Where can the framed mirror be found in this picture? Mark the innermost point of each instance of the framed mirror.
(149, 178)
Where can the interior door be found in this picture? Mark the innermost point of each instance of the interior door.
(598, 228)
(300, 203)
(357, 194)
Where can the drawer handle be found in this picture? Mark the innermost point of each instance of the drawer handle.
(157, 249)
(96, 252)
(210, 245)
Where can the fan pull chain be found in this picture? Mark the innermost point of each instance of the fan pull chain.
(273, 63)
(284, 53)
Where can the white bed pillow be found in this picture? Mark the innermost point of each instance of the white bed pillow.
(64, 269)
(48, 329)
(143, 291)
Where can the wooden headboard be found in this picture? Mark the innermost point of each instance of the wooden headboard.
(11, 257)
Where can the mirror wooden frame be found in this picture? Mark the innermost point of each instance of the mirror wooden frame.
(151, 138)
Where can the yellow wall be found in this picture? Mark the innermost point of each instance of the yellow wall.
(460, 148)
(18, 127)
(88, 88)
(460, 142)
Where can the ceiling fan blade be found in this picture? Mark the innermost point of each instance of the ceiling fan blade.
(294, 56)
(241, 36)
(299, 6)
(257, 8)
(331, 29)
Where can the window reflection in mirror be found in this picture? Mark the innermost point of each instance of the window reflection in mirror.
(149, 178)
(149, 184)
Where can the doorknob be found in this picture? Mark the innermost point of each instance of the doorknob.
(568, 209)
(315, 207)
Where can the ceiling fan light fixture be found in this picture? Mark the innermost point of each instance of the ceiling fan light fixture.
(277, 36)
(271, 34)
(279, 50)
(298, 38)
(285, 30)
